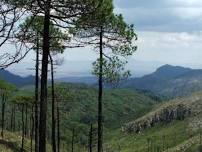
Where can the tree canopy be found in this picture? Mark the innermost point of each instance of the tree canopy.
(32, 30)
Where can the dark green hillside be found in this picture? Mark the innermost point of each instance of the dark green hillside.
(16, 79)
(169, 81)
(78, 109)
(120, 105)
(171, 133)
(78, 105)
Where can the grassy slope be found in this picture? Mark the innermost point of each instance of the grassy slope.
(176, 136)
(138, 142)
(12, 143)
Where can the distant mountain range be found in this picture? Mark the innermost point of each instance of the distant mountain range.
(171, 81)
(16, 79)
(90, 80)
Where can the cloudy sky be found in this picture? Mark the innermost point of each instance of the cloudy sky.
(169, 32)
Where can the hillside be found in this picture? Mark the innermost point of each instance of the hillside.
(16, 79)
(171, 126)
(78, 110)
(171, 81)
(120, 105)
(12, 143)
(133, 120)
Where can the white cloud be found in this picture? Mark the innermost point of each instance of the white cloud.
(188, 12)
(162, 15)
(170, 48)
(185, 3)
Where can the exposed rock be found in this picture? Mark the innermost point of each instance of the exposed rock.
(177, 109)
(166, 114)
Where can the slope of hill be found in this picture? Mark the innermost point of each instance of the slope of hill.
(12, 143)
(177, 109)
(15, 79)
(78, 110)
(120, 105)
(171, 81)
(158, 125)
(171, 126)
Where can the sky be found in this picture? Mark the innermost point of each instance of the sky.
(169, 32)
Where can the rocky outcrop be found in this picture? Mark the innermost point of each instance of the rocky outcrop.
(164, 114)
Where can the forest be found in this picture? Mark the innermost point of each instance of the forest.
(158, 112)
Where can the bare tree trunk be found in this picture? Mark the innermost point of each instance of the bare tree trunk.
(100, 92)
(37, 98)
(53, 107)
(73, 131)
(32, 127)
(91, 138)
(14, 123)
(12, 114)
(23, 130)
(2, 116)
(43, 97)
(26, 120)
(58, 127)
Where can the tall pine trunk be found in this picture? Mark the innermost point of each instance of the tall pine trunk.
(37, 98)
(73, 134)
(44, 74)
(58, 128)
(12, 113)
(32, 128)
(53, 107)
(91, 139)
(14, 123)
(100, 92)
(26, 120)
(2, 115)
(23, 129)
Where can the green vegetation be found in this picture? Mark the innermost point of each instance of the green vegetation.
(78, 110)
(12, 143)
(119, 107)
(173, 135)
(161, 136)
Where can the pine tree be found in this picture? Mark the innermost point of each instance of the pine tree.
(109, 34)
(34, 27)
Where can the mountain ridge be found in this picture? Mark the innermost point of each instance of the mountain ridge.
(16, 79)
(171, 81)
